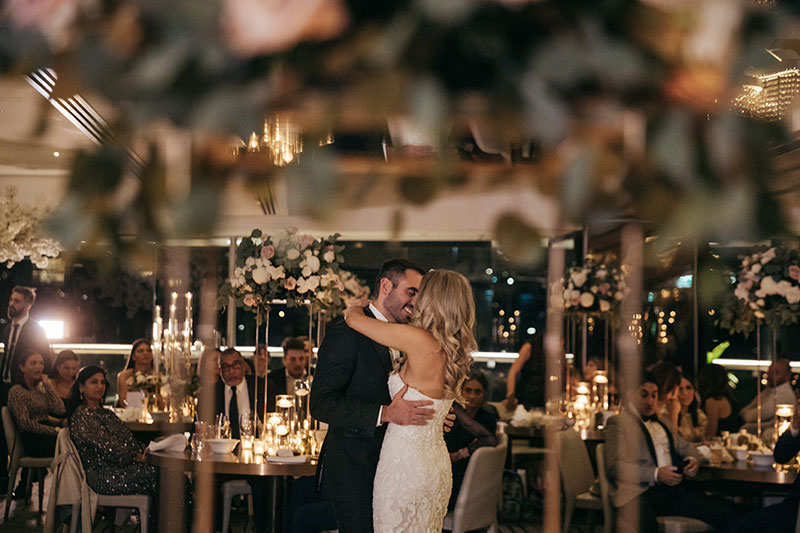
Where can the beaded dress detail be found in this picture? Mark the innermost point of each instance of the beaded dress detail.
(108, 453)
(414, 479)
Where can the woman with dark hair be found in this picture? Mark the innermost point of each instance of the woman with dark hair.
(140, 361)
(36, 407)
(691, 419)
(525, 382)
(475, 427)
(62, 376)
(112, 458)
(717, 400)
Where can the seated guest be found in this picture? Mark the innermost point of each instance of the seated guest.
(140, 361)
(646, 463)
(475, 426)
(668, 377)
(780, 517)
(779, 390)
(295, 363)
(691, 419)
(112, 458)
(718, 401)
(64, 372)
(36, 407)
(235, 395)
(525, 382)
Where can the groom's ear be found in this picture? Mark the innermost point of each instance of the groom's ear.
(386, 286)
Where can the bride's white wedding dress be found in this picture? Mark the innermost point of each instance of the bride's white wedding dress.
(413, 480)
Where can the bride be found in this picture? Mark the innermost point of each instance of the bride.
(413, 480)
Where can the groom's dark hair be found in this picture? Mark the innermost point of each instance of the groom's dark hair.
(393, 270)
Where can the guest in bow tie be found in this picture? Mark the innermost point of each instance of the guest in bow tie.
(646, 463)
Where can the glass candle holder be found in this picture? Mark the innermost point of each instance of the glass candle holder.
(783, 418)
(301, 395)
(284, 404)
(600, 390)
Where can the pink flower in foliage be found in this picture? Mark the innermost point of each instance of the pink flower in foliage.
(305, 241)
(250, 300)
(267, 252)
(794, 272)
(290, 283)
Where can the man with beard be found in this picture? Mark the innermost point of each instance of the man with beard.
(20, 337)
(350, 394)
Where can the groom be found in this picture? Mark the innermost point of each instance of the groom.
(350, 394)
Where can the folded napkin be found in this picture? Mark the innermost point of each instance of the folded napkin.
(293, 459)
(704, 452)
(521, 417)
(173, 443)
(130, 414)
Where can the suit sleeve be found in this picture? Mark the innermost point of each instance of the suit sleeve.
(621, 462)
(786, 447)
(329, 402)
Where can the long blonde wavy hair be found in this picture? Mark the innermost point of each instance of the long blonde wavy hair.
(445, 308)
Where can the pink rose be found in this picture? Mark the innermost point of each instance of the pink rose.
(794, 272)
(267, 252)
(305, 240)
(252, 27)
(603, 288)
(250, 300)
(290, 283)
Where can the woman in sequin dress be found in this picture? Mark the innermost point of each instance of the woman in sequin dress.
(36, 407)
(112, 458)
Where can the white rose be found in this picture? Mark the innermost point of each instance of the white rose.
(329, 256)
(587, 299)
(310, 264)
(618, 295)
(793, 295)
(605, 306)
(292, 253)
(601, 274)
(760, 302)
(276, 272)
(579, 278)
(260, 275)
(250, 261)
(593, 289)
(768, 256)
(741, 292)
(756, 268)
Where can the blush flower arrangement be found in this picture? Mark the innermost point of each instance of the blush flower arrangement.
(594, 287)
(339, 291)
(767, 288)
(294, 266)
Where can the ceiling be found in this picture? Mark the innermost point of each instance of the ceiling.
(37, 144)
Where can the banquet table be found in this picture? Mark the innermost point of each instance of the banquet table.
(237, 464)
(147, 431)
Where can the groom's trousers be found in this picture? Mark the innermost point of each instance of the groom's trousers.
(354, 516)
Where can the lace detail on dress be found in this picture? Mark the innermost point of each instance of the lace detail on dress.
(414, 479)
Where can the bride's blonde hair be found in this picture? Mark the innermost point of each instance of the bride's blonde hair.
(445, 308)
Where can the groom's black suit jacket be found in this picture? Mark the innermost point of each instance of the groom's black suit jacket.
(348, 390)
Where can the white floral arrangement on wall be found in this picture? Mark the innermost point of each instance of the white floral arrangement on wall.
(21, 234)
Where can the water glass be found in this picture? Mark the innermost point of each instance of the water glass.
(246, 430)
(222, 427)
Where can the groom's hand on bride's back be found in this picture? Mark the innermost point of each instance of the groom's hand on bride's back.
(407, 412)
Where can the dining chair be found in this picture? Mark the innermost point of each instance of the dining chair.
(577, 477)
(481, 491)
(18, 460)
(229, 490)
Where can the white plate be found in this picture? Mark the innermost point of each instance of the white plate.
(295, 459)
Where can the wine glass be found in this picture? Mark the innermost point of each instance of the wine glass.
(222, 427)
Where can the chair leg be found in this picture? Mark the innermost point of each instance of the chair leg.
(29, 483)
(12, 478)
(41, 487)
(226, 510)
(569, 508)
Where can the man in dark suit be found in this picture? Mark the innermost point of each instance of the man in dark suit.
(646, 463)
(21, 336)
(281, 380)
(235, 395)
(781, 516)
(350, 394)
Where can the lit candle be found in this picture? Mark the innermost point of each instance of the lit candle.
(284, 401)
(247, 443)
(282, 430)
(258, 447)
(188, 306)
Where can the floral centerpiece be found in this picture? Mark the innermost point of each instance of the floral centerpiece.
(21, 235)
(594, 287)
(294, 266)
(767, 288)
(150, 383)
(335, 297)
